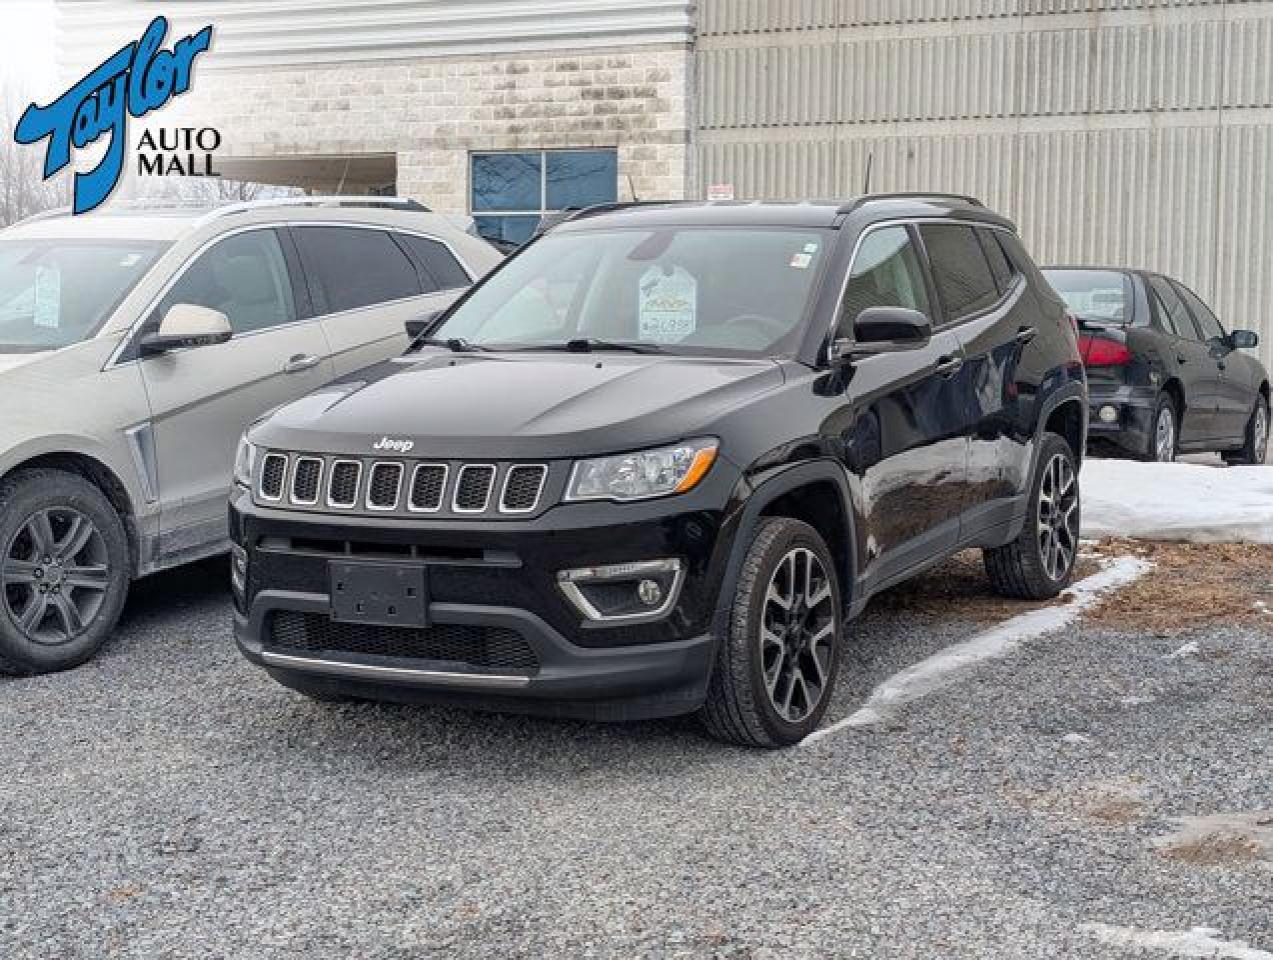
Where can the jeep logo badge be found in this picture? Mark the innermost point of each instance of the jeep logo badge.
(397, 446)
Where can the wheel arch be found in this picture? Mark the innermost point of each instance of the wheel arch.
(1175, 389)
(101, 476)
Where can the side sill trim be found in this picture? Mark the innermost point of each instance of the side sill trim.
(366, 671)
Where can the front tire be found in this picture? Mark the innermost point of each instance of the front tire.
(776, 668)
(64, 571)
(1256, 449)
(1039, 564)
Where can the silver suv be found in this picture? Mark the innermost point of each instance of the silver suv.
(136, 345)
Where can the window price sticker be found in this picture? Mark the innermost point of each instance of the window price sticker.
(667, 305)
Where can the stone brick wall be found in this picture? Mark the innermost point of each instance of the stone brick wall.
(432, 113)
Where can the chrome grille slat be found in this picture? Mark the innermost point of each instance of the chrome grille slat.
(473, 485)
(384, 485)
(342, 484)
(307, 480)
(523, 484)
(428, 484)
(273, 474)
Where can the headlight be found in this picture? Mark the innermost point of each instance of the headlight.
(644, 474)
(244, 462)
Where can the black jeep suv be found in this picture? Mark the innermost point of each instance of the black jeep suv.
(655, 461)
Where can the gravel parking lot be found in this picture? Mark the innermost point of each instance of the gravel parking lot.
(169, 801)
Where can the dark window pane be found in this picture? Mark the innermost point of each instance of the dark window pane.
(1206, 320)
(581, 178)
(514, 230)
(960, 269)
(507, 181)
(244, 276)
(351, 268)
(438, 261)
(885, 273)
(999, 266)
(1171, 310)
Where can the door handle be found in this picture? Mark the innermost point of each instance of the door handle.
(1026, 334)
(1181, 358)
(948, 366)
(301, 362)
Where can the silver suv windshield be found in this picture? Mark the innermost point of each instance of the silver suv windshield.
(679, 290)
(56, 292)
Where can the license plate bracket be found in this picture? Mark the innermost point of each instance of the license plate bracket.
(384, 594)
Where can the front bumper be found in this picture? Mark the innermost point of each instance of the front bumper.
(495, 576)
(1134, 405)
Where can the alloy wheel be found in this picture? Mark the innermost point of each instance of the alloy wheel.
(797, 634)
(1165, 436)
(54, 575)
(1058, 520)
(1260, 433)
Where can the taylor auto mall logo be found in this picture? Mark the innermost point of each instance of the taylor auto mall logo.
(137, 79)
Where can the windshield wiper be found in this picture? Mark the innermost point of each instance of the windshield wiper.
(454, 344)
(591, 344)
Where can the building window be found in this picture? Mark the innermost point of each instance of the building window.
(511, 190)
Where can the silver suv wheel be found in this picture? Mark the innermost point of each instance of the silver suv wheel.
(54, 575)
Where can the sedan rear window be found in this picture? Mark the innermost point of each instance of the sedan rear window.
(1103, 296)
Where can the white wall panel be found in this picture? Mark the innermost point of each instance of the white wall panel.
(1114, 131)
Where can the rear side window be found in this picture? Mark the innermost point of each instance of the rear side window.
(1206, 320)
(960, 269)
(886, 273)
(1172, 310)
(350, 267)
(1000, 268)
(438, 261)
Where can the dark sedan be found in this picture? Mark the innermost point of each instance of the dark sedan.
(1163, 375)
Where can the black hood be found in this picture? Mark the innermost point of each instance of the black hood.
(511, 406)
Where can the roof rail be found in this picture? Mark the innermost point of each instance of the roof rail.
(913, 195)
(557, 217)
(395, 203)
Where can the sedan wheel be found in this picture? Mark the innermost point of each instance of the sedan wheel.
(55, 575)
(1165, 435)
(1260, 433)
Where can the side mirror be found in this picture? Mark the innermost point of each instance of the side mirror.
(883, 330)
(1244, 339)
(186, 325)
(417, 325)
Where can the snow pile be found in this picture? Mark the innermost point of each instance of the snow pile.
(1177, 501)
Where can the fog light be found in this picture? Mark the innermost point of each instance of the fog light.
(649, 592)
(623, 591)
(1108, 414)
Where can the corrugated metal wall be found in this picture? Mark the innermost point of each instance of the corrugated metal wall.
(1122, 131)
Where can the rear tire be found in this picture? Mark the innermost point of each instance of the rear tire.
(65, 570)
(1256, 449)
(1039, 564)
(1164, 432)
(776, 668)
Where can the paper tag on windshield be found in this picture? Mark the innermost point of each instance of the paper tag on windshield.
(668, 304)
(48, 297)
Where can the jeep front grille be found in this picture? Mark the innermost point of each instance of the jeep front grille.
(384, 486)
(445, 488)
(306, 476)
(522, 484)
(273, 472)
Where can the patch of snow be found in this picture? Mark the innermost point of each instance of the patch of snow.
(943, 668)
(1190, 649)
(1076, 739)
(1177, 501)
(1198, 942)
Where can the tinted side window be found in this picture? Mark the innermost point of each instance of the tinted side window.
(244, 276)
(438, 261)
(886, 273)
(350, 267)
(1171, 309)
(1202, 315)
(1000, 268)
(960, 269)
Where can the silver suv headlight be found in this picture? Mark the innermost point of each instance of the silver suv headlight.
(244, 462)
(643, 474)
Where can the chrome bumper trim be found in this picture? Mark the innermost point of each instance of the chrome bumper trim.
(407, 675)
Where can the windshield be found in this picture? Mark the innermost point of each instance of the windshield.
(681, 290)
(1103, 296)
(57, 292)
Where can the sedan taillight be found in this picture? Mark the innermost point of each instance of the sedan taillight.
(1099, 352)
